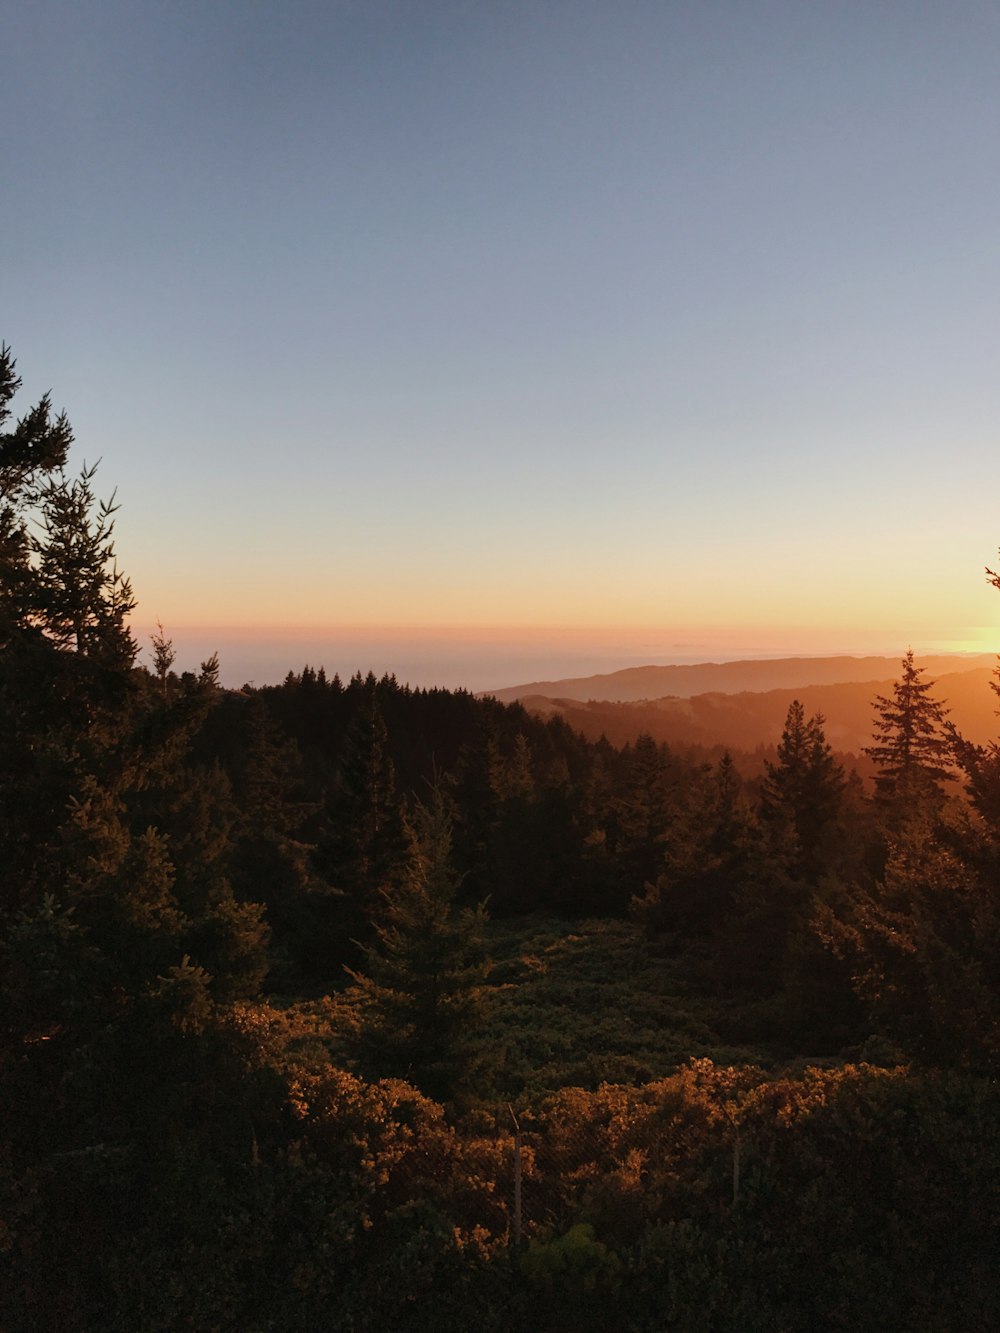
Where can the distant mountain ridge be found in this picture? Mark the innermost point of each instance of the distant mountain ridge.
(635, 684)
(749, 720)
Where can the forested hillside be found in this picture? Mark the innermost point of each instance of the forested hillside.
(685, 680)
(344, 1005)
(751, 721)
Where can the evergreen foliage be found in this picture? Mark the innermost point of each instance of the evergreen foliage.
(163, 655)
(911, 748)
(717, 852)
(364, 848)
(642, 814)
(801, 793)
(419, 1002)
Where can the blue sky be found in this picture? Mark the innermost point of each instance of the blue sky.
(667, 316)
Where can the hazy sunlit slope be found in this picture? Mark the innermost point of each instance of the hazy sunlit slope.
(653, 682)
(750, 719)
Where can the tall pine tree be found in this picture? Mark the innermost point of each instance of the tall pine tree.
(801, 793)
(911, 749)
(419, 998)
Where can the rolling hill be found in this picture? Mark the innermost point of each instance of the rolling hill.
(751, 719)
(683, 682)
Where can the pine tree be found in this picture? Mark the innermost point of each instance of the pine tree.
(163, 655)
(419, 1000)
(35, 449)
(365, 844)
(801, 794)
(83, 736)
(911, 748)
(65, 648)
(644, 812)
(715, 852)
(980, 765)
(922, 947)
(923, 937)
(476, 786)
(84, 599)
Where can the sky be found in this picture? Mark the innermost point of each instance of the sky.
(423, 335)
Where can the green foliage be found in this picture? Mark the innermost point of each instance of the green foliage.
(801, 794)
(922, 947)
(574, 1277)
(642, 816)
(47, 972)
(364, 847)
(590, 1002)
(65, 648)
(231, 937)
(184, 996)
(163, 655)
(715, 852)
(911, 748)
(82, 597)
(34, 449)
(418, 1007)
(845, 1176)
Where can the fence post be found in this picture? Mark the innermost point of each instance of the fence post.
(517, 1178)
(736, 1166)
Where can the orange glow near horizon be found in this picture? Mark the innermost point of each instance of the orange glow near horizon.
(766, 605)
(634, 597)
(631, 639)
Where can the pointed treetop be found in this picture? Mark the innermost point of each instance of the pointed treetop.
(910, 746)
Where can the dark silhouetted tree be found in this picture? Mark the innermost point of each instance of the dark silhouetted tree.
(163, 655)
(84, 599)
(923, 940)
(801, 793)
(419, 999)
(715, 851)
(65, 647)
(642, 817)
(922, 947)
(364, 848)
(911, 749)
(34, 450)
